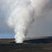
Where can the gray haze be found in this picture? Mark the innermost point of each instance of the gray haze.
(41, 27)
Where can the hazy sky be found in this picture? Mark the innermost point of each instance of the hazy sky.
(41, 27)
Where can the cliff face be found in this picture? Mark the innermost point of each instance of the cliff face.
(32, 41)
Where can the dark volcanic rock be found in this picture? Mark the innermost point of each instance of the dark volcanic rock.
(35, 45)
(26, 47)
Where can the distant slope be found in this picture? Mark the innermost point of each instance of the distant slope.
(44, 40)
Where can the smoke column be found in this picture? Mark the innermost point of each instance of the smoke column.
(21, 14)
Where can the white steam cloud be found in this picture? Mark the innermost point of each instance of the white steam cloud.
(20, 14)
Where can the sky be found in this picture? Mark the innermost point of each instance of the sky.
(42, 25)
